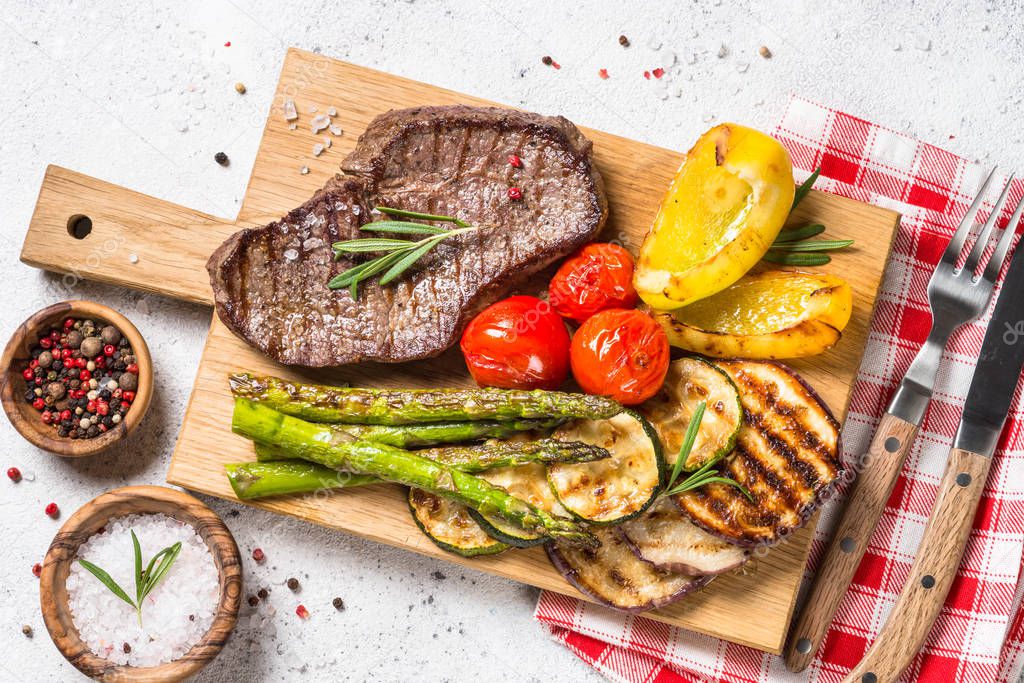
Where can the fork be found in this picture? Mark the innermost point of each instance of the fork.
(956, 295)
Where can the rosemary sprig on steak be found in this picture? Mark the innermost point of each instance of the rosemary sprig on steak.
(399, 255)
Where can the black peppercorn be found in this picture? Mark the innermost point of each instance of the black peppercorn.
(253, 601)
(623, 41)
(546, 59)
(293, 584)
(221, 158)
(263, 593)
(338, 603)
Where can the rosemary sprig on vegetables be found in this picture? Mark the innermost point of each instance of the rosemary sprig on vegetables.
(145, 579)
(706, 474)
(805, 187)
(793, 246)
(399, 255)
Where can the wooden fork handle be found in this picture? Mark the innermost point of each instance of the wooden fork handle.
(876, 473)
(932, 573)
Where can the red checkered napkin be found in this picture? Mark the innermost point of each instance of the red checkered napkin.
(979, 635)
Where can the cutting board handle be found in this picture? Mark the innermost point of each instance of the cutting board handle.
(94, 230)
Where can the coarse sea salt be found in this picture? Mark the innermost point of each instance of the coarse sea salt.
(175, 615)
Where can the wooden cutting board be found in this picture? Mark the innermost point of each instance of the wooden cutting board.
(145, 243)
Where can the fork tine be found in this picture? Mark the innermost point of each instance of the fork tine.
(979, 244)
(952, 253)
(995, 264)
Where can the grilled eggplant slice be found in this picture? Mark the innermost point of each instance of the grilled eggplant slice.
(449, 525)
(613, 575)
(527, 482)
(666, 538)
(688, 382)
(617, 488)
(786, 456)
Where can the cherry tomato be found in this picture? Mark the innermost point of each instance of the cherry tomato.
(517, 343)
(597, 277)
(622, 354)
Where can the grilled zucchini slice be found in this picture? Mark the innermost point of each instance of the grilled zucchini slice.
(613, 575)
(786, 456)
(665, 537)
(616, 488)
(449, 525)
(688, 382)
(527, 482)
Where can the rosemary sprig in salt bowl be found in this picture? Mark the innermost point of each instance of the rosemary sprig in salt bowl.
(145, 579)
(399, 255)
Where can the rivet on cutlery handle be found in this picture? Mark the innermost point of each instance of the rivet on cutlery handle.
(876, 474)
(932, 573)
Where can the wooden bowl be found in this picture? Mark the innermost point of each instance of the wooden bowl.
(90, 518)
(25, 418)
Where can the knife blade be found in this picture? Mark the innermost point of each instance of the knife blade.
(999, 367)
(931, 576)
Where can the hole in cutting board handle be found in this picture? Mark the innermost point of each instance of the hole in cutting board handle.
(79, 226)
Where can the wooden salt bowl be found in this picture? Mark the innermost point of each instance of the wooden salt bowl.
(93, 516)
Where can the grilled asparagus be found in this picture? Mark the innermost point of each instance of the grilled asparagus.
(318, 403)
(313, 442)
(482, 456)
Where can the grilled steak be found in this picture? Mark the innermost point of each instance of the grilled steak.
(786, 456)
(270, 283)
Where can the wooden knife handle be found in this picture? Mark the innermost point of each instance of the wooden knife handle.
(932, 573)
(133, 240)
(876, 473)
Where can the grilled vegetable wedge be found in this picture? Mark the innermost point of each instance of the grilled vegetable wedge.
(723, 210)
(318, 403)
(613, 575)
(311, 441)
(525, 482)
(786, 456)
(449, 525)
(616, 488)
(688, 382)
(665, 537)
(774, 314)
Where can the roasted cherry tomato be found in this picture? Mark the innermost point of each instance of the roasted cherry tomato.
(517, 343)
(597, 277)
(621, 354)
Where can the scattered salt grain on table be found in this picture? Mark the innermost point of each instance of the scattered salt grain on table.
(175, 615)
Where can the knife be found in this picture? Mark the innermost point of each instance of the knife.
(945, 536)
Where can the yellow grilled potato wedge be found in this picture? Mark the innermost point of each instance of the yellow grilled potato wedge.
(723, 210)
(770, 315)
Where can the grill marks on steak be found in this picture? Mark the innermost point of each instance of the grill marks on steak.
(442, 160)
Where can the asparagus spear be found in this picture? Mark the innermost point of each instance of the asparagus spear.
(319, 403)
(275, 475)
(483, 456)
(416, 435)
(261, 479)
(313, 442)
